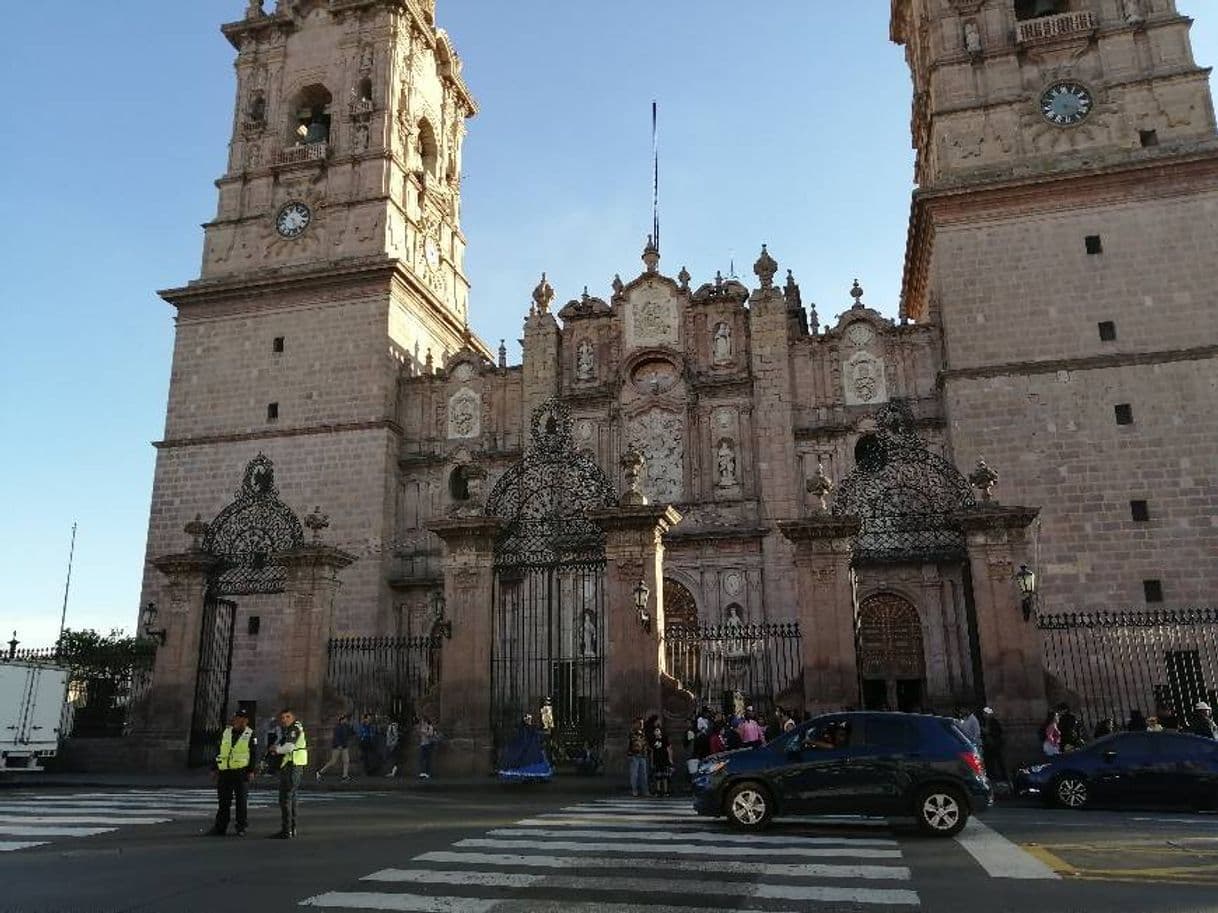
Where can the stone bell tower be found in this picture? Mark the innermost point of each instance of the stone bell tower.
(1062, 239)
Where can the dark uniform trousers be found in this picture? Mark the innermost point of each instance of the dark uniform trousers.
(233, 784)
(289, 785)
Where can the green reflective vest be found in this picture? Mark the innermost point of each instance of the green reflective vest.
(234, 755)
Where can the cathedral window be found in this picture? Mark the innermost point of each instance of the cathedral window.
(458, 484)
(277, 345)
(1124, 414)
(365, 89)
(1034, 9)
(272, 412)
(1095, 244)
(1107, 331)
(311, 123)
(1140, 511)
(1153, 590)
(1148, 138)
(429, 150)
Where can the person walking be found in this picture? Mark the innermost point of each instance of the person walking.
(1051, 735)
(661, 761)
(393, 745)
(428, 738)
(292, 748)
(636, 751)
(1203, 721)
(367, 745)
(1069, 728)
(993, 744)
(750, 731)
(233, 773)
(340, 748)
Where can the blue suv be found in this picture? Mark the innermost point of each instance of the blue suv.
(851, 763)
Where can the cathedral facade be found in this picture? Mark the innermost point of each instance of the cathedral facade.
(1057, 348)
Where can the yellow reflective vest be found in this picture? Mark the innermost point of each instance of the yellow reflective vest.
(300, 754)
(234, 755)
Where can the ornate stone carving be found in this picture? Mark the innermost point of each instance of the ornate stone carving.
(465, 414)
(765, 268)
(655, 377)
(733, 583)
(864, 381)
(633, 466)
(585, 362)
(722, 344)
(983, 479)
(542, 296)
(651, 321)
(723, 419)
(316, 522)
(1133, 12)
(820, 486)
(972, 39)
(660, 437)
(725, 463)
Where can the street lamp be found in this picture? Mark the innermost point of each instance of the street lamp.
(1025, 577)
(641, 595)
(438, 606)
(148, 617)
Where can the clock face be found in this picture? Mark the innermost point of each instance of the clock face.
(293, 219)
(1066, 104)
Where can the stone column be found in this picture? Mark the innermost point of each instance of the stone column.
(633, 655)
(170, 706)
(1011, 655)
(825, 587)
(308, 624)
(464, 703)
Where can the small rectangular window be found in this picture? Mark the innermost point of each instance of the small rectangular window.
(1094, 244)
(277, 345)
(254, 625)
(1107, 331)
(1149, 138)
(1153, 589)
(272, 412)
(1139, 510)
(1124, 414)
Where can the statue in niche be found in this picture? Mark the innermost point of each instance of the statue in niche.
(587, 643)
(734, 630)
(361, 136)
(972, 38)
(585, 362)
(727, 464)
(723, 344)
(1133, 12)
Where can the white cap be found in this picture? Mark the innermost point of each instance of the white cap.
(988, 711)
(1202, 705)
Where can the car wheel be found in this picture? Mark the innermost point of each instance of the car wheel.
(941, 811)
(1071, 791)
(749, 807)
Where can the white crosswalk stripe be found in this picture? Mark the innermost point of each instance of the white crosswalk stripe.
(642, 857)
(64, 815)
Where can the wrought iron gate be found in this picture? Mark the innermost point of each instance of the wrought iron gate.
(724, 666)
(384, 676)
(1112, 663)
(211, 688)
(548, 622)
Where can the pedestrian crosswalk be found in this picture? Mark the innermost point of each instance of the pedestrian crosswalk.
(641, 856)
(36, 819)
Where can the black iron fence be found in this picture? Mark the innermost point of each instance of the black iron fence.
(102, 692)
(384, 676)
(1109, 664)
(726, 665)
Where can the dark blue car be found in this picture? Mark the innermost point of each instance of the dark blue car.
(851, 763)
(1133, 768)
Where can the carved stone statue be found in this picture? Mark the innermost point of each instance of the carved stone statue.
(632, 475)
(727, 464)
(585, 362)
(588, 645)
(254, 10)
(972, 38)
(723, 344)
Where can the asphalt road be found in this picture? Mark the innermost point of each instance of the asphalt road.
(542, 849)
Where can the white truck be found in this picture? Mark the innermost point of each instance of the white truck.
(32, 701)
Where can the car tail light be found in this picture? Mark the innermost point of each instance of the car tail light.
(974, 762)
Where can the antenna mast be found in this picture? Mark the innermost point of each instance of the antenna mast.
(655, 155)
(67, 586)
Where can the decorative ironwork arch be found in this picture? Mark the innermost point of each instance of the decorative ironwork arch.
(250, 532)
(546, 496)
(904, 494)
(680, 607)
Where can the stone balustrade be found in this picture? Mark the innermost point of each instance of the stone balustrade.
(294, 155)
(1049, 28)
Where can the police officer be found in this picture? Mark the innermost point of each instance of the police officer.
(291, 748)
(233, 773)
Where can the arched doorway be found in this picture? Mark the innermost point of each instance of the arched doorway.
(892, 664)
(680, 608)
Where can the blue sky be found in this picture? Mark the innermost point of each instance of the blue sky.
(784, 122)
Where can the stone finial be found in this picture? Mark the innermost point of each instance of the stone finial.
(542, 296)
(633, 465)
(196, 529)
(254, 10)
(718, 278)
(983, 479)
(503, 353)
(820, 486)
(765, 268)
(429, 363)
(857, 294)
(683, 277)
(651, 255)
(317, 521)
(618, 285)
(791, 292)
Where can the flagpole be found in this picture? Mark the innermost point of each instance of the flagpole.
(655, 157)
(67, 586)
